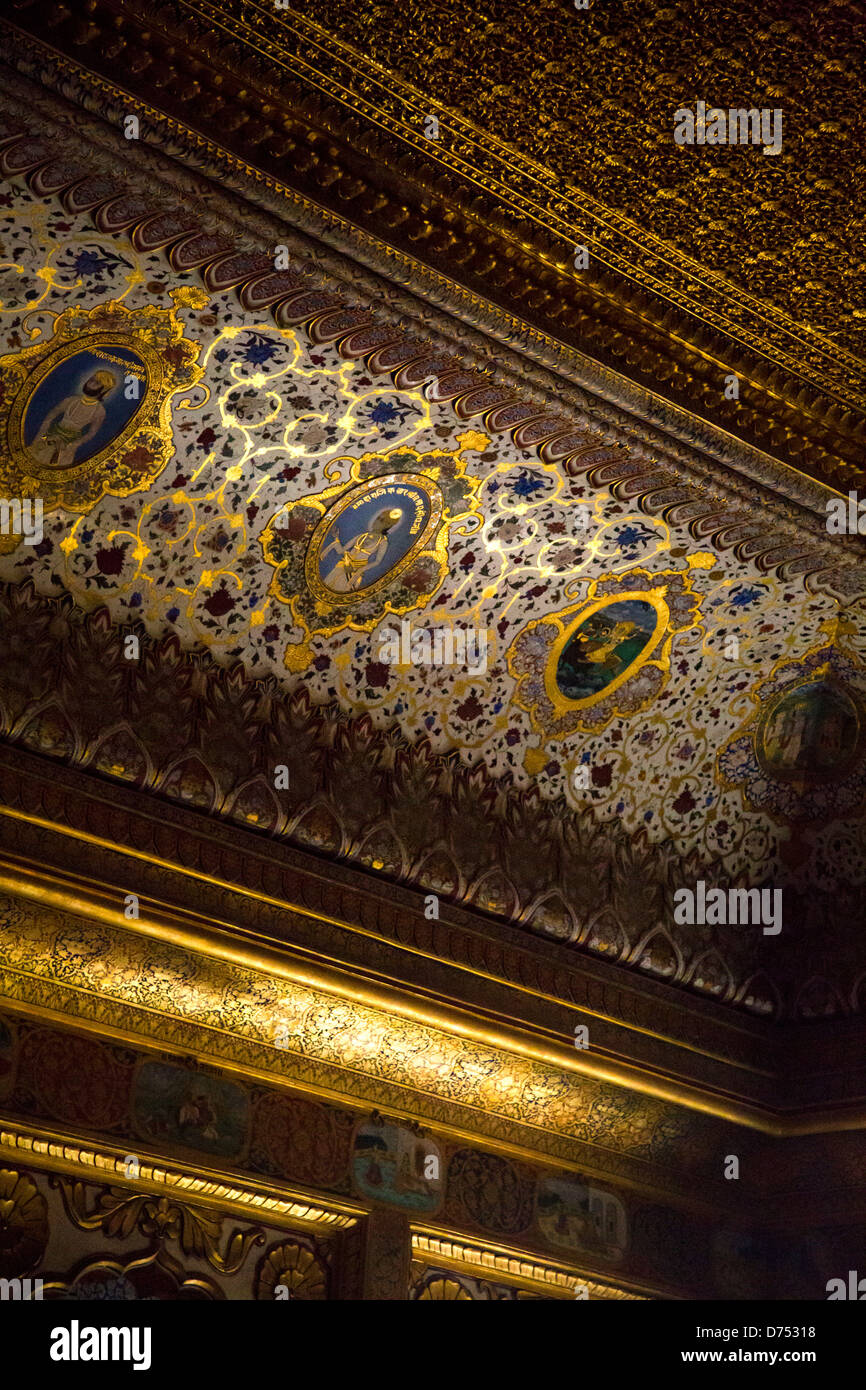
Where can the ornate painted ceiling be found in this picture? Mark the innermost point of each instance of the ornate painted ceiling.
(411, 620)
(272, 423)
(268, 425)
(703, 261)
(562, 486)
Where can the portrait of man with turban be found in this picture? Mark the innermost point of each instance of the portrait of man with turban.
(73, 422)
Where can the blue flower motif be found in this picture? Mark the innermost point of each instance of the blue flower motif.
(90, 263)
(631, 536)
(383, 413)
(259, 351)
(745, 597)
(526, 486)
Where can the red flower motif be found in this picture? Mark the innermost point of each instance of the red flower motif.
(219, 603)
(110, 561)
(470, 709)
(377, 674)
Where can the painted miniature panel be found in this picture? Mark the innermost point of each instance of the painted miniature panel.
(397, 1166)
(579, 1218)
(172, 1105)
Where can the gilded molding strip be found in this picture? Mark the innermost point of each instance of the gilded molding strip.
(18, 874)
(440, 1054)
(66, 1155)
(499, 1262)
(217, 942)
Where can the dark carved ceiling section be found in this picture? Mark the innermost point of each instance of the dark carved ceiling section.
(703, 262)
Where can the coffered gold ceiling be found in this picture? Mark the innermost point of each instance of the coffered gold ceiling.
(556, 130)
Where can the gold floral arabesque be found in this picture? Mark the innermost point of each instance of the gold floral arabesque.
(292, 540)
(534, 654)
(504, 1086)
(143, 447)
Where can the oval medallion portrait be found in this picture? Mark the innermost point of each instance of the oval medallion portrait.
(81, 404)
(371, 535)
(811, 733)
(600, 651)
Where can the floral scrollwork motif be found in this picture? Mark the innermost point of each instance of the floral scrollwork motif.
(197, 1231)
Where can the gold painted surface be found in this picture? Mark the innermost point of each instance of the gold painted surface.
(504, 1058)
(539, 105)
(64, 1154)
(295, 1015)
(45, 887)
(510, 1266)
(264, 1011)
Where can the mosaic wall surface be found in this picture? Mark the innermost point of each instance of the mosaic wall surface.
(213, 545)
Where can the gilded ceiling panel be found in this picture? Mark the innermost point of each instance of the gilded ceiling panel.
(510, 150)
(283, 449)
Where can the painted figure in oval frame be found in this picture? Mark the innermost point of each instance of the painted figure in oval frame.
(86, 411)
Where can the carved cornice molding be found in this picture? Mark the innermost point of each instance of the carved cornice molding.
(272, 86)
(442, 1250)
(261, 1201)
